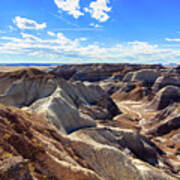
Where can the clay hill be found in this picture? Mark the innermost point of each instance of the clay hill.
(90, 122)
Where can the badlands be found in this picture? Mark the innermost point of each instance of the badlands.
(90, 122)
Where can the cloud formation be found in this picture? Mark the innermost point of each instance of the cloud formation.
(72, 7)
(99, 9)
(24, 23)
(51, 33)
(67, 50)
(172, 39)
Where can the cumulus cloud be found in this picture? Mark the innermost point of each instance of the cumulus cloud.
(98, 10)
(24, 23)
(72, 7)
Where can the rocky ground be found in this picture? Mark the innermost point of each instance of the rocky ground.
(88, 122)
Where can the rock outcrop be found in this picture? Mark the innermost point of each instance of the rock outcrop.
(25, 92)
(131, 91)
(61, 111)
(165, 97)
(7, 78)
(147, 76)
(165, 126)
(164, 81)
(97, 72)
(165, 121)
(75, 106)
(23, 87)
(33, 149)
(128, 77)
(60, 101)
(128, 141)
(87, 72)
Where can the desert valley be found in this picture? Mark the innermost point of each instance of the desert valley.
(90, 122)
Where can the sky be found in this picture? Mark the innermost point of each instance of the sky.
(90, 31)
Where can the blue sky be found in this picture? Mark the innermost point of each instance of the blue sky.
(83, 31)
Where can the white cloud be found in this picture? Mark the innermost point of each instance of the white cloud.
(142, 47)
(24, 23)
(71, 6)
(98, 10)
(11, 28)
(61, 47)
(83, 39)
(32, 45)
(95, 25)
(30, 38)
(13, 39)
(172, 40)
(51, 33)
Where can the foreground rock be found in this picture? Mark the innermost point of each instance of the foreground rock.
(128, 141)
(33, 149)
